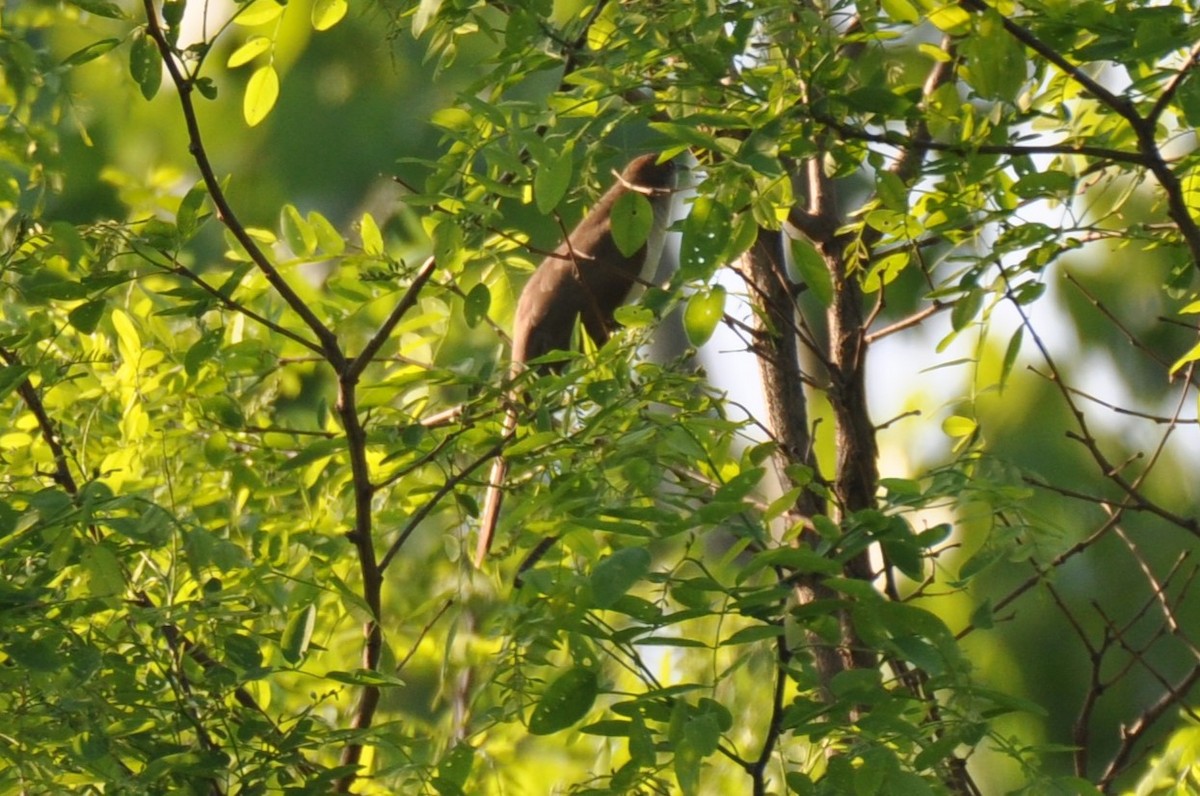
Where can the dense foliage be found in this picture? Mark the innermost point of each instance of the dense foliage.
(928, 527)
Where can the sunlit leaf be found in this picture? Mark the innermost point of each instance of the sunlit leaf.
(300, 236)
(706, 232)
(298, 633)
(251, 49)
(703, 312)
(327, 13)
(372, 238)
(261, 93)
(259, 12)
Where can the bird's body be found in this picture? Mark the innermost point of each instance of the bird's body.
(586, 277)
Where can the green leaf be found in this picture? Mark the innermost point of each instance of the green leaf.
(566, 700)
(202, 351)
(1049, 183)
(298, 633)
(11, 377)
(243, 652)
(615, 575)
(632, 218)
(552, 178)
(603, 28)
(455, 768)
(365, 677)
(372, 238)
(90, 52)
(706, 231)
(1188, 97)
(86, 317)
(300, 236)
(427, 11)
(144, 64)
(100, 8)
(958, 426)
(995, 60)
(327, 13)
(703, 312)
(261, 93)
(1191, 355)
(753, 634)
(105, 576)
(885, 271)
(812, 270)
(476, 304)
(187, 217)
(634, 316)
(313, 452)
(965, 309)
(983, 617)
(226, 411)
(1010, 355)
(251, 49)
(900, 10)
(259, 12)
(328, 240)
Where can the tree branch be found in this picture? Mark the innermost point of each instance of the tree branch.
(184, 88)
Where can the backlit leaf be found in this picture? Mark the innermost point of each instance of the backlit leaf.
(703, 312)
(261, 93)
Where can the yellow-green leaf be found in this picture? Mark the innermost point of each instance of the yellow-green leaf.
(259, 12)
(958, 426)
(254, 47)
(703, 312)
(1192, 355)
(298, 633)
(261, 93)
(372, 239)
(327, 13)
(603, 27)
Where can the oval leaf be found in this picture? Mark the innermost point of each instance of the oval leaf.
(86, 317)
(632, 216)
(552, 179)
(813, 271)
(616, 574)
(703, 312)
(260, 12)
(705, 234)
(327, 13)
(254, 47)
(261, 93)
(144, 64)
(298, 633)
(372, 238)
(566, 701)
(477, 304)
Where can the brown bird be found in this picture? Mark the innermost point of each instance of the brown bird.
(586, 277)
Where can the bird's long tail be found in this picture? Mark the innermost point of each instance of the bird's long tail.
(495, 493)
